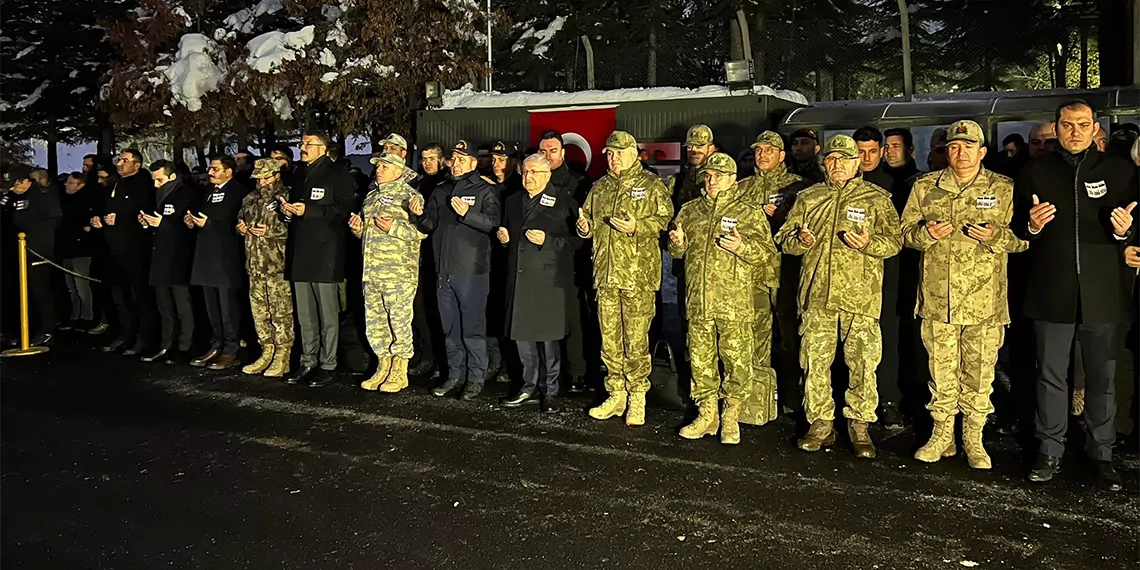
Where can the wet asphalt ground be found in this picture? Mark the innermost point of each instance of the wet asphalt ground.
(111, 463)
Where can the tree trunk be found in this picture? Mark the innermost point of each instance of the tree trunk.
(735, 41)
(758, 41)
(1062, 65)
(1084, 55)
(269, 139)
(106, 143)
(818, 85)
(241, 129)
(1114, 42)
(52, 155)
(651, 72)
(200, 150)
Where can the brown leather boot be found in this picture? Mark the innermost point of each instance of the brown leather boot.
(819, 435)
(941, 443)
(280, 365)
(860, 439)
(730, 422)
(397, 378)
(635, 413)
(707, 421)
(380, 375)
(976, 454)
(613, 406)
(258, 366)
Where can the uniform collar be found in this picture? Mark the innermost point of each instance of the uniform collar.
(726, 194)
(778, 172)
(947, 182)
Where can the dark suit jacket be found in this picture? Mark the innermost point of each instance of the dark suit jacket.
(220, 249)
(172, 247)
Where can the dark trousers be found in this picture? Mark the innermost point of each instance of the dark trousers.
(423, 314)
(225, 318)
(463, 311)
(42, 298)
(540, 359)
(134, 303)
(575, 344)
(887, 374)
(177, 314)
(1098, 345)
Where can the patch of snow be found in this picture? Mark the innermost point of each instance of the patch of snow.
(369, 63)
(469, 98)
(280, 104)
(336, 35)
(327, 58)
(271, 49)
(26, 50)
(79, 91)
(73, 74)
(543, 37)
(193, 73)
(32, 97)
(329, 77)
(221, 34)
(186, 20)
(243, 20)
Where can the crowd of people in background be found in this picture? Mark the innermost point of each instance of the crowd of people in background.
(935, 285)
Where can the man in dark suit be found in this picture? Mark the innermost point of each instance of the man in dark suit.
(317, 211)
(172, 253)
(129, 245)
(540, 256)
(1076, 208)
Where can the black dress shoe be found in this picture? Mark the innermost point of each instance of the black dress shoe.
(115, 345)
(890, 417)
(205, 359)
(421, 368)
(156, 356)
(578, 385)
(301, 376)
(443, 389)
(1107, 478)
(177, 357)
(551, 405)
(1044, 468)
(519, 400)
(134, 350)
(43, 339)
(320, 378)
(471, 391)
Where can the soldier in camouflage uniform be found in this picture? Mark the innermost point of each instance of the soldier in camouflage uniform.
(688, 184)
(841, 289)
(959, 219)
(624, 214)
(270, 298)
(773, 190)
(725, 241)
(391, 269)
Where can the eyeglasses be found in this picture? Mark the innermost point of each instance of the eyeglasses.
(535, 172)
(309, 145)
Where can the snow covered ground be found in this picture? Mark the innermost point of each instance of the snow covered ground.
(469, 98)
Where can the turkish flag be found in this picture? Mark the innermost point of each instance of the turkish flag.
(584, 132)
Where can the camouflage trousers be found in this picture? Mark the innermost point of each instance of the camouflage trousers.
(271, 304)
(962, 361)
(712, 341)
(388, 316)
(760, 407)
(862, 350)
(624, 317)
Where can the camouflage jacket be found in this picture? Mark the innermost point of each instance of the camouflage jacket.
(685, 185)
(395, 254)
(779, 188)
(623, 261)
(719, 282)
(265, 255)
(834, 276)
(963, 281)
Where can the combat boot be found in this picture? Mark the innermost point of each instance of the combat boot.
(730, 422)
(613, 406)
(635, 414)
(972, 442)
(706, 423)
(280, 365)
(860, 439)
(941, 443)
(397, 378)
(819, 435)
(380, 375)
(258, 366)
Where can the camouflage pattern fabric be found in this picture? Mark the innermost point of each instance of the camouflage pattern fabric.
(391, 269)
(622, 261)
(862, 350)
(963, 281)
(833, 276)
(623, 317)
(685, 185)
(270, 297)
(777, 187)
(760, 407)
(712, 341)
(962, 361)
(388, 317)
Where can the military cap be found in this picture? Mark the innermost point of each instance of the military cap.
(395, 140)
(500, 149)
(805, 134)
(461, 147)
(264, 168)
(698, 135)
(15, 174)
(620, 140)
(389, 158)
(843, 144)
(770, 138)
(719, 162)
(938, 138)
(966, 130)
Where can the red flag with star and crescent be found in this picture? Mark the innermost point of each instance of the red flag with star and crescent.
(584, 132)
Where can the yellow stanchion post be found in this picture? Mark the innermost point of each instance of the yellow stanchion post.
(25, 348)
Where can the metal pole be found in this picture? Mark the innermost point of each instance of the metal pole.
(908, 80)
(25, 348)
(589, 62)
(489, 67)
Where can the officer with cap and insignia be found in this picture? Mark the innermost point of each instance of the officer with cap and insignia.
(959, 219)
(462, 214)
(844, 228)
(688, 184)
